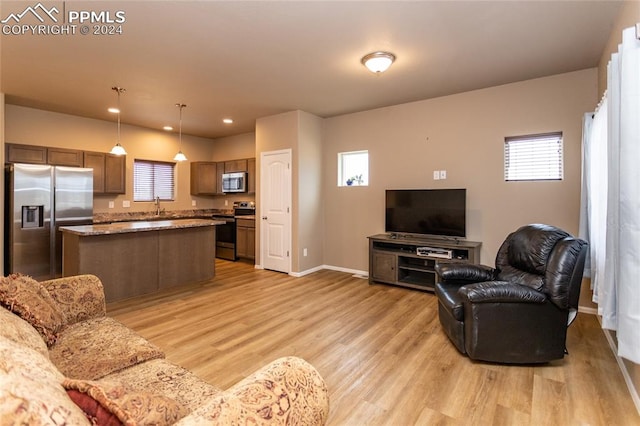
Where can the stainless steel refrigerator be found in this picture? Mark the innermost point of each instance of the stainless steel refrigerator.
(38, 200)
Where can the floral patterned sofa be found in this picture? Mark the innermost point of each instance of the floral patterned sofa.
(63, 361)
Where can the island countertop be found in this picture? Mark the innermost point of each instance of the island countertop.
(138, 226)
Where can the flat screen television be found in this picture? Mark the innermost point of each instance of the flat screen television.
(429, 212)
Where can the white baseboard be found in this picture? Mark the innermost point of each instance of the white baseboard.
(587, 310)
(332, 268)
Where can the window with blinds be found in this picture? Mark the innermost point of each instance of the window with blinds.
(152, 179)
(536, 157)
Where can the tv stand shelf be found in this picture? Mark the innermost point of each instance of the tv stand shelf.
(393, 259)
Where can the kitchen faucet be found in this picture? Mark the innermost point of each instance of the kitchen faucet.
(157, 206)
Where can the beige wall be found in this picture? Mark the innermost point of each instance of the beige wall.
(275, 133)
(309, 206)
(302, 133)
(37, 127)
(628, 17)
(464, 135)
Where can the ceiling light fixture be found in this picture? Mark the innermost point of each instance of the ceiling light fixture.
(378, 62)
(117, 148)
(167, 128)
(227, 121)
(180, 156)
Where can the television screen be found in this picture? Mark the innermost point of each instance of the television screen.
(440, 212)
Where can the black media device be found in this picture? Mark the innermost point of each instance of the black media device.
(426, 212)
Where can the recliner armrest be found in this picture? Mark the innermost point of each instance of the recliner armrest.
(500, 291)
(464, 272)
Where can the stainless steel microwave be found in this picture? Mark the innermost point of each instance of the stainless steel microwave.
(234, 182)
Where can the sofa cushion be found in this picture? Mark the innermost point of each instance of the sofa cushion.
(18, 330)
(27, 298)
(94, 348)
(30, 389)
(108, 403)
(164, 378)
(79, 297)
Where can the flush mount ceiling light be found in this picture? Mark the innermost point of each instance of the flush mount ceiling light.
(180, 156)
(117, 148)
(378, 62)
(227, 121)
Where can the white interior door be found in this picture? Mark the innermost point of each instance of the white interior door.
(275, 210)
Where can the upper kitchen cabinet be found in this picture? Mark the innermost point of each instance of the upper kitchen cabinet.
(108, 172)
(235, 166)
(15, 153)
(65, 157)
(204, 178)
(251, 176)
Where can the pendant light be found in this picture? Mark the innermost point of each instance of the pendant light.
(117, 148)
(180, 156)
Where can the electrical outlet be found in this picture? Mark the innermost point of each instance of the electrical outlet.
(193, 203)
(226, 203)
(126, 203)
(111, 204)
(443, 174)
(436, 175)
(304, 252)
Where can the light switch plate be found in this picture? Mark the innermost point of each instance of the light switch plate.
(443, 174)
(126, 203)
(436, 175)
(111, 204)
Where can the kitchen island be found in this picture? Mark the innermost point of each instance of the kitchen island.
(134, 258)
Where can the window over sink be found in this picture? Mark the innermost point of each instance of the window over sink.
(153, 179)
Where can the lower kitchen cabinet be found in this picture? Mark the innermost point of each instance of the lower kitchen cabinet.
(246, 238)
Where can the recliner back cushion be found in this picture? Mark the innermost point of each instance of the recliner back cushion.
(523, 256)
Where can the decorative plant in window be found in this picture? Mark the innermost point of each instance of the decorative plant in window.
(357, 179)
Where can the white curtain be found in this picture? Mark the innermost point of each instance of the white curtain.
(611, 208)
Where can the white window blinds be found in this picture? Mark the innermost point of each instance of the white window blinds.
(152, 179)
(537, 157)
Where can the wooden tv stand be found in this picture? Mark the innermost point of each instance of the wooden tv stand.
(393, 259)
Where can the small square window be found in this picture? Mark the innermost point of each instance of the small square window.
(537, 157)
(353, 168)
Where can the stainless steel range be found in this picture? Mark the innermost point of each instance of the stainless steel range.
(226, 233)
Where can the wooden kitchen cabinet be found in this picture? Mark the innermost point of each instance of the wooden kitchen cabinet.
(219, 173)
(65, 157)
(30, 154)
(235, 166)
(246, 238)
(108, 172)
(204, 178)
(251, 176)
(115, 167)
(95, 161)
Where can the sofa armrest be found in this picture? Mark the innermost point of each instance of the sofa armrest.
(79, 297)
(464, 272)
(287, 391)
(500, 291)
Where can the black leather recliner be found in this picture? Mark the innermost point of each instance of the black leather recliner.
(519, 311)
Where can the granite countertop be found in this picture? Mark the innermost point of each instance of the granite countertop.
(138, 226)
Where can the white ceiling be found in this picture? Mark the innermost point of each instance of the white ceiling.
(247, 60)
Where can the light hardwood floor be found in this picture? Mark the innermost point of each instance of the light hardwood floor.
(380, 349)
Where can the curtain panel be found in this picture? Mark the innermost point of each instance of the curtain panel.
(610, 210)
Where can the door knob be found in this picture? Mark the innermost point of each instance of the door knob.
(264, 218)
